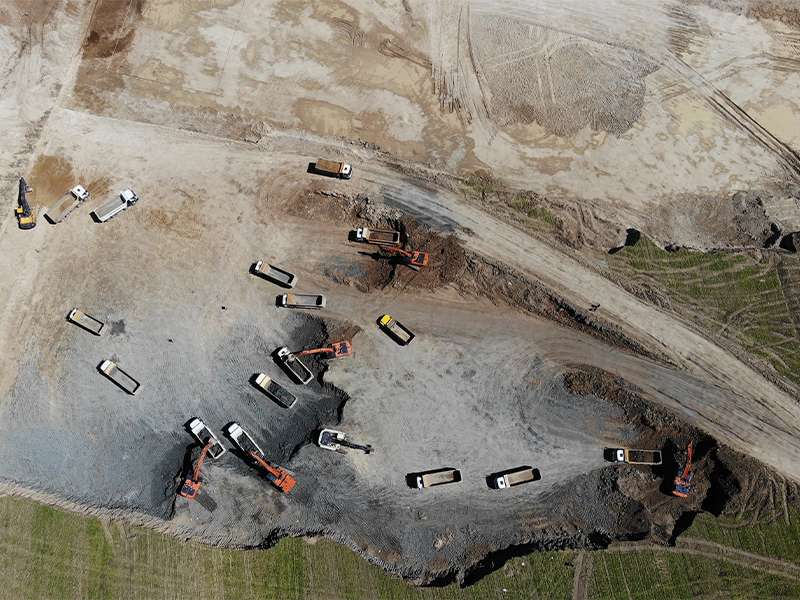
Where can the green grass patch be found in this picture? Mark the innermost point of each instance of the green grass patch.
(776, 538)
(659, 574)
(751, 301)
(50, 553)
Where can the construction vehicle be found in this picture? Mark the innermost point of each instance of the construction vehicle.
(377, 236)
(275, 391)
(632, 457)
(301, 373)
(192, 484)
(516, 477)
(278, 476)
(302, 301)
(683, 481)
(69, 202)
(87, 322)
(275, 274)
(335, 169)
(26, 216)
(116, 205)
(204, 436)
(335, 350)
(438, 477)
(410, 257)
(330, 439)
(401, 334)
(120, 377)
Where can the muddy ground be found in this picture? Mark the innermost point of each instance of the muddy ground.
(524, 355)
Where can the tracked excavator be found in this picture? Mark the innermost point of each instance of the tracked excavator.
(192, 484)
(330, 439)
(335, 350)
(410, 257)
(26, 216)
(278, 476)
(683, 481)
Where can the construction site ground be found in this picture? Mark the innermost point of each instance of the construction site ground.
(527, 350)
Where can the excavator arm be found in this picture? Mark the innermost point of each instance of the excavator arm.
(335, 350)
(282, 480)
(192, 484)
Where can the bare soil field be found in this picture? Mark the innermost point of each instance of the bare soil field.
(590, 121)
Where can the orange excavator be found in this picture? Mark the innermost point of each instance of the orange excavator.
(192, 484)
(412, 257)
(683, 481)
(247, 446)
(336, 350)
(282, 480)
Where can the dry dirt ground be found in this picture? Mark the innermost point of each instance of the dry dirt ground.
(212, 112)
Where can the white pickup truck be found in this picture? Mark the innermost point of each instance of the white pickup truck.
(116, 205)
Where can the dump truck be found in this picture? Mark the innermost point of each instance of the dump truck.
(401, 334)
(330, 439)
(377, 236)
(116, 205)
(515, 477)
(88, 322)
(242, 439)
(275, 274)
(59, 211)
(334, 169)
(205, 436)
(120, 377)
(278, 476)
(314, 301)
(632, 457)
(275, 391)
(438, 477)
(297, 369)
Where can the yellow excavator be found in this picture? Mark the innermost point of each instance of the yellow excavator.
(26, 216)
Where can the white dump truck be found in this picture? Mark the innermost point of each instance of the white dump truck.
(302, 301)
(120, 377)
(438, 477)
(333, 169)
(88, 322)
(116, 205)
(275, 391)
(69, 202)
(632, 457)
(205, 436)
(301, 373)
(401, 334)
(377, 236)
(242, 439)
(275, 274)
(515, 477)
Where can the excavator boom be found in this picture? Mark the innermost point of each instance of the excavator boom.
(282, 480)
(683, 481)
(192, 484)
(25, 215)
(416, 259)
(336, 350)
